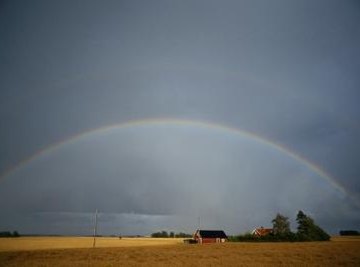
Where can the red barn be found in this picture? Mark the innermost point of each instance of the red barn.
(210, 236)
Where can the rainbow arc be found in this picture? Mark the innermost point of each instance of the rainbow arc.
(186, 123)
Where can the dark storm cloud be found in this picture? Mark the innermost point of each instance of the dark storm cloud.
(287, 70)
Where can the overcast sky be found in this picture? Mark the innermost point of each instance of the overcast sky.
(286, 70)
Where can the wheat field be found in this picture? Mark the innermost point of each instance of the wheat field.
(43, 243)
(46, 251)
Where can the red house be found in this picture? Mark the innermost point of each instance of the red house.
(210, 236)
(262, 231)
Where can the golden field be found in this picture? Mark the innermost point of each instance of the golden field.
(36, 243)
(46, 251)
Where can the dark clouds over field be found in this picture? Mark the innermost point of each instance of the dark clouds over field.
(286, 70)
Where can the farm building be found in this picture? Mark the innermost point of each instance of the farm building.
(210, 236)
(262, 231)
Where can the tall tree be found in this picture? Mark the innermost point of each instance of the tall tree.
(308, 230)
(304, 224)
(281, 225)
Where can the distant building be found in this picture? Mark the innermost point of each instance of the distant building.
(262, 231)
(210, 236)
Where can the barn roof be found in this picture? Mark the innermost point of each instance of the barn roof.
(212, 234)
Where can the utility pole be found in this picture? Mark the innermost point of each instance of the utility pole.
(95, 228)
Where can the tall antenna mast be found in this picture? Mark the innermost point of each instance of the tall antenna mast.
(199, 222)
(95, 228)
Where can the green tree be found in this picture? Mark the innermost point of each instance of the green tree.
(164, 234)
(308, 230)
(281, 225)
(305, 226)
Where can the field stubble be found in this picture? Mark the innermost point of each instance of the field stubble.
(160, 252)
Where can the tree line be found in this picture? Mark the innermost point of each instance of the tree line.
(307, 230)
(9, 234)
(349, 232)
(170, 234)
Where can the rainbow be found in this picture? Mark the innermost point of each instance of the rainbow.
(188, 123)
